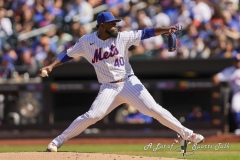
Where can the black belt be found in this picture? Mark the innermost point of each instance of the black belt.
(120, 80)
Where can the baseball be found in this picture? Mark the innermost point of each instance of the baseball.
(44, 73)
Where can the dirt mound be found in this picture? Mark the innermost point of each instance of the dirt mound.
(72, 156)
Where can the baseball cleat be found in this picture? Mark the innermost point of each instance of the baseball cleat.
(183, 146)
(52, 147)
(196, 138)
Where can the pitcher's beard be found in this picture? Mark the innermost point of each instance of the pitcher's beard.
(113, 33)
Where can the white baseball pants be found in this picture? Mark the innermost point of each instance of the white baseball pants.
(110, 96)
(236, 102)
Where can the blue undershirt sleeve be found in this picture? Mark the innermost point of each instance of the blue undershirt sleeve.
(63, 57)
(147, 33)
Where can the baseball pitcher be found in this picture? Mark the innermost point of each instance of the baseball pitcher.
(107, 50)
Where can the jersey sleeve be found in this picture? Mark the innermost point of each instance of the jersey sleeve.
(132, 37)
(78, 49)
(225, 74)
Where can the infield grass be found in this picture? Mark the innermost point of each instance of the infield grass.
(204, 151)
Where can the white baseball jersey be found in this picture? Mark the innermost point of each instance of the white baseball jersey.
(235, 85)
(225, 74)
(231, 75)
(111, 63)
(109, 57)
(235, 81)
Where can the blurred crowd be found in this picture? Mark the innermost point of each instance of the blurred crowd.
(34, 32)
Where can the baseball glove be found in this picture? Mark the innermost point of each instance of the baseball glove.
(172, 38)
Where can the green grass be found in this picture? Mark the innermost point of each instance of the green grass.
(205, 152)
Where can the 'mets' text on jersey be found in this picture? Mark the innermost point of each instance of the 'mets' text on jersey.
(109, 57)
(99, 55)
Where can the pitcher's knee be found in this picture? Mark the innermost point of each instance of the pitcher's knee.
(94, 116)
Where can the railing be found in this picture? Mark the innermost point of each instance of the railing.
(36, 32)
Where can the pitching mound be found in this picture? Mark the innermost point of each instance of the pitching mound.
(72, 156)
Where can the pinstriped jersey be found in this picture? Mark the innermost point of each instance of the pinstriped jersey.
(235, 81)
(109, 57)
(231, 75)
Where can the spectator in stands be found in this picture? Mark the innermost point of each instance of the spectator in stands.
(172, 9)
(152, 45)
(231, 26)
(77, 31)
(28, 62)
(56, 10)
(38, 10)
(230, 22)
(1, 3)
(131, 13)
(80, 11)
(117, 7)
(136, 52)
(95, 3)
(197, 115)
(8, 63)
(26, 24)
(41, 48)
(231, 5)
(62, 39)
(206, 33)
(188, 40)
(161, 19)
(143, 20)
(227, 50)
(184, 16)
(125, 24)
(48, 19)
(6, 29)
(164, 54)
(199, 49)
(201, 12)
(182, 52)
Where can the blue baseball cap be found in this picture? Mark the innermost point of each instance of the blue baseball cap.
(106, 17)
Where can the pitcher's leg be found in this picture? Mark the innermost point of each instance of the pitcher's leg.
(138, 96)
(104, 103)
(236, 109)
